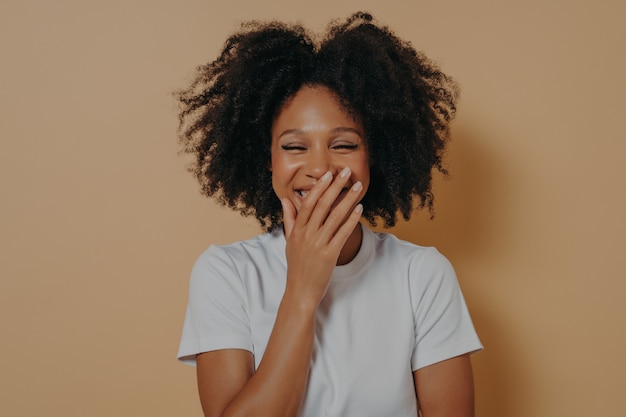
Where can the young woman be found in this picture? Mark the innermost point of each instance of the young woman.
(320, 316)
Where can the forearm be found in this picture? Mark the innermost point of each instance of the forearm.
(278, 385)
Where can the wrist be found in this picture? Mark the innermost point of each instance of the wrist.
(301, 303)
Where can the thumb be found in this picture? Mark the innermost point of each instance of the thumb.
(289, 216)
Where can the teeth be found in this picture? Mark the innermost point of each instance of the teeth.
(303, 194)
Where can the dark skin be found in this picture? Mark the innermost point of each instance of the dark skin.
(320, 182)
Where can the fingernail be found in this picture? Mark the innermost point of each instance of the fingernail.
(357, 186)
(359, 208)
(345, 172)
(326, 176)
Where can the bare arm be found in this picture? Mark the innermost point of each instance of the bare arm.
(226, 379)
(229, 386)
(446, 389)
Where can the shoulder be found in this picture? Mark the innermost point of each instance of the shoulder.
(237, 256)
(422, 268)
(416, 256)
(264, 244)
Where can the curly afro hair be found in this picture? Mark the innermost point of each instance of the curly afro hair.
(403, 100)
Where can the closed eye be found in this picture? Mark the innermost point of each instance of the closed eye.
(293, 148)
(345, 147)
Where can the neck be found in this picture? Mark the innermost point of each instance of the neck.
(352, 246)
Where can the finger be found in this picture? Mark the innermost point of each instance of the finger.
(343, 233)
(289, 216)
(326, 201)
(340, 214)
(310, 201)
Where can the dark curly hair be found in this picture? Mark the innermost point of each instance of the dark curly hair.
(404, 101)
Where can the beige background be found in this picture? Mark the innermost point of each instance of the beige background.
(100, 223)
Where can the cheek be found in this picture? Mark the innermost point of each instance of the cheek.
(366, 183)
(283, 167)
(282, 174)
(362, 168)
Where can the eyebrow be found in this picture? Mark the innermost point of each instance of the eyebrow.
(335, 130)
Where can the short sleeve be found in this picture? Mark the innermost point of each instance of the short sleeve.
(216, 316)
(443, 326)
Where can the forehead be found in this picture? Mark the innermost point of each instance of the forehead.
(313, 107)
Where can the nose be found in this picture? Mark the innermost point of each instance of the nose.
(318, 162)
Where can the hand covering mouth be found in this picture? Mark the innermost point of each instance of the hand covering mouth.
(303, 193)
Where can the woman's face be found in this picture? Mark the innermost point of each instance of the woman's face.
(312, 135)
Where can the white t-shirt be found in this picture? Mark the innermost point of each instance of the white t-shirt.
(395, 308)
